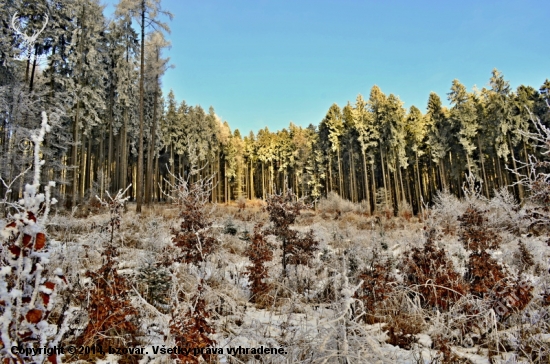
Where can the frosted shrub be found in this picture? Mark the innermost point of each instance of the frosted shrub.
(193, 240)
(534, 175)
(376, 287)
(445, 212)
(334, 203)
(383, 203)
(106, 297)
(504, 211)
(193, 243)
(296, 248)
(432, 276)
(260, 252)
(154, 283)
(29, 285)
(405, 210)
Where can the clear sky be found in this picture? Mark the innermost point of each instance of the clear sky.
(266, 63)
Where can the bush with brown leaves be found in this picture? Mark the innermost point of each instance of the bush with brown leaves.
(297, 248)
(377, 287)
(193, 239)
(429, 272)
(190, 329)
(260, 252)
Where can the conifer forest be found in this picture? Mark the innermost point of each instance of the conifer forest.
(136, 228)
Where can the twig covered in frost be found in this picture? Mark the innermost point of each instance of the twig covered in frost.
(28, 289)
(534, 174)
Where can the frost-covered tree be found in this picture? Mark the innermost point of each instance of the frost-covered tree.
(464, 115)
(156, 66)
(367, 136)
(349, 141)
(439, 135)
(146, 13)
(266, 156)
(501, 118)
(302, 141)
(377, 105)
(334, 124)
(251, 158)
(122, 97)
(29, 284)
(89, 99)
(171, 121)
(396, 134)
(417, 132)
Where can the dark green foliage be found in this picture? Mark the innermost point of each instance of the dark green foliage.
(154, 283)
(230, 229)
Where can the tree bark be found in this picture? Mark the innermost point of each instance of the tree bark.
(152, 143)
(365, 173)
(139, 177)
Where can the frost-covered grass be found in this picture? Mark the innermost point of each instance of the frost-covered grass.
(314, 313)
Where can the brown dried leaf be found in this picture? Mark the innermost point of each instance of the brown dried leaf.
(34, 316)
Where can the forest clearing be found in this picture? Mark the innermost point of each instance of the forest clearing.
(465, 281)
(137, 228)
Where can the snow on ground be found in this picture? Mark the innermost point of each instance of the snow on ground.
(306, 314)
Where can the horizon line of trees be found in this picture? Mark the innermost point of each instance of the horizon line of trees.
(99, 80)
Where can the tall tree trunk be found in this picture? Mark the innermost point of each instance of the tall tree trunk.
(139, 177)
(418, 186)
(501, 180)
(408, 179)
(74, 156)
(340, 181)
(226, 184)
(82, 166)
(384, 176)
(403, 193)
(89, 153)
(109, 169)
(366, 182)
(100, 168)
(152, 144)
(124, 151)
(31, 84)
(330, 173)
(263, 181)
(481, 158)
(373, 203)
(520, 186)
(251, 171)
(442, 175)
(156, 192)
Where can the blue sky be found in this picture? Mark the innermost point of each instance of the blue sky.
(266, 63)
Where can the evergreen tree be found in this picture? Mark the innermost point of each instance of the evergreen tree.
(146, 12)
(464, 115)
(500, 111)
(439, 135)
(377, 106)
(417, 132)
